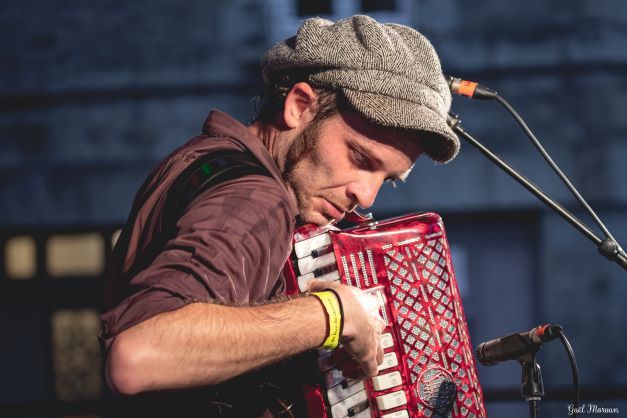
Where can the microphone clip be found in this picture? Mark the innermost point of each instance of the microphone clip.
(532, 386)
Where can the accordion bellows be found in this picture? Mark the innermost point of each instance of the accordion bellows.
(429, 368)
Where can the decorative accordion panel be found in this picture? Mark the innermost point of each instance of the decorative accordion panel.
(429, 369)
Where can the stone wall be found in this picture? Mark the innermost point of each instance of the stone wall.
(94, 94)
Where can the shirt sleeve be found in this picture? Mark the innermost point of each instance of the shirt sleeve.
(230, 247)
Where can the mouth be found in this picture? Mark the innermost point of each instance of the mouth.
(333, 211)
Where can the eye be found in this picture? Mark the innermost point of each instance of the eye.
(360, 159)
(391, 181)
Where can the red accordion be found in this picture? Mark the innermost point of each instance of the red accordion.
(428, 368)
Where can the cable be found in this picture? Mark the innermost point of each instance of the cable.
(609, 247)
(573, 367)
(554, 166)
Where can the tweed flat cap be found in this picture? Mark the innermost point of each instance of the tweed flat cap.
(388, 73)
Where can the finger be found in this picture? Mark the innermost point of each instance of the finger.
(369, 363)
(372, 304)
(379, 324)
(371, 368)
(379, 355)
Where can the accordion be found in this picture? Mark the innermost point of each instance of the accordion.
(428, 368)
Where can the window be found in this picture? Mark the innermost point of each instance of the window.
(20, 257)
(368, 6)
(76, 354)
(285, 16)
(314, 7)
(75, 255)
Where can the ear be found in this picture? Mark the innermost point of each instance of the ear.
(299, 105)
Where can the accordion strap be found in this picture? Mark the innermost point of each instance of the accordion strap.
(205, 172)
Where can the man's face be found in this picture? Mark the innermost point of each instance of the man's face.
(341, 163)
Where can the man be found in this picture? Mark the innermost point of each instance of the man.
(347, 106)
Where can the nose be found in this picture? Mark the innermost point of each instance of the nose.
(364, 191)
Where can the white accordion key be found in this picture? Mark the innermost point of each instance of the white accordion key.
(333, 377)
(397, 414)
(386, 340)
(386, 381)
(391, 400)
(389, 360)
(339, 392)
(340, 409)
(309, 263)
(305, 247)
(304, 279)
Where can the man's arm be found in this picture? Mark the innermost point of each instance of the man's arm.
(204, 344)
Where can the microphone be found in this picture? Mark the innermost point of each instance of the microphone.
(469, 88)
(515, 346)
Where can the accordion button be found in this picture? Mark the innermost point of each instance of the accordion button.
(391, 400)
(386, 381)
(389, 361)
(397, 414)
(386, 340)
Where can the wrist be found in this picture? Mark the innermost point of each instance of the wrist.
(334, 314)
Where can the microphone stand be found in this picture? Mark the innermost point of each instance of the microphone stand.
(532, 388)
(607, 247)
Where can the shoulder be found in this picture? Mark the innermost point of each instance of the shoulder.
(239, 234)
(247, 201)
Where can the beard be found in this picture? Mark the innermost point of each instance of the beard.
(306, 144)
(304, 150)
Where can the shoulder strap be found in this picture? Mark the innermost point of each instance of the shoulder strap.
(207, 171)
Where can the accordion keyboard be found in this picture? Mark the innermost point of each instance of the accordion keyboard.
(428, 368)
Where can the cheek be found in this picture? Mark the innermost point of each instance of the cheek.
(302, 182)
(309, 177)
(330, 169)
(314, 171)
(322, 173)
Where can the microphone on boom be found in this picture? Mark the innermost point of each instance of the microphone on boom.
(513, 347)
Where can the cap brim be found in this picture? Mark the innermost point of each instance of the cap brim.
(439, 141)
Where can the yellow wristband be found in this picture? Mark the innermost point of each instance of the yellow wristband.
(334, 315)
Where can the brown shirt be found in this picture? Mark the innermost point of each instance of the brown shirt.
(229, 245)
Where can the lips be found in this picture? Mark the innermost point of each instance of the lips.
(333, 211)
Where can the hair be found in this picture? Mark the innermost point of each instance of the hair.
(270, 102)
(330, 101)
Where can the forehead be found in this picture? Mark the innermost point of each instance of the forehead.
(378, 139)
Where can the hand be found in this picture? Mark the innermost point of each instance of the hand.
(363, 325)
